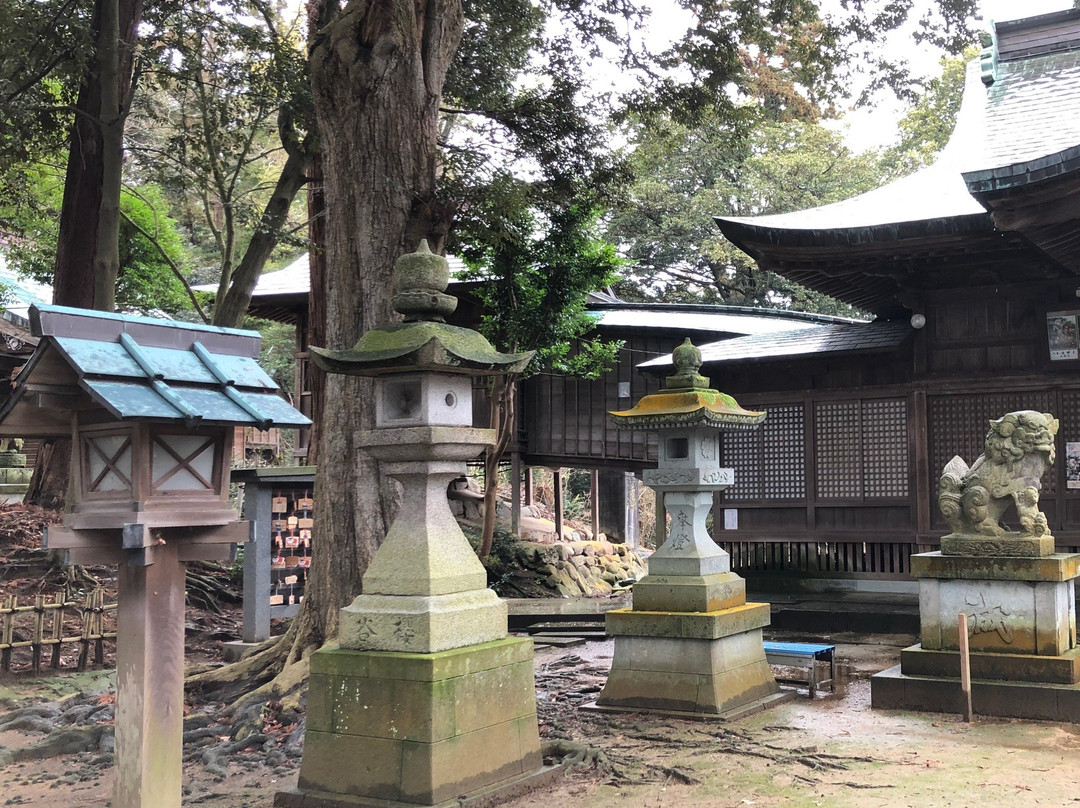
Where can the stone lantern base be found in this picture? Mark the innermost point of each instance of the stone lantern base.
(389, 728)
(702, 663)
(1024, 658)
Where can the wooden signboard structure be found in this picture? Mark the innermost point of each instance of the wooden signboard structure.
(150, 407)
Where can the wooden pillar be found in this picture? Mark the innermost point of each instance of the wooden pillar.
(515, 493)
(150, 682)
(257, 559)
(594, 500)
(557, 485)
(528, 485)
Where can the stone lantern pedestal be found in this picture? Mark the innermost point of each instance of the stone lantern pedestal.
(690, 644)
(427, 699)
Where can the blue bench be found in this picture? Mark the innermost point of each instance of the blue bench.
(812, 658)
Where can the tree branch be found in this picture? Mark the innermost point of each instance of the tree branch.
(172, 265)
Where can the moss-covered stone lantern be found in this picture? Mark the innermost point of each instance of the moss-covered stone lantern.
(150, 407)
(690, 643)
(424, 650)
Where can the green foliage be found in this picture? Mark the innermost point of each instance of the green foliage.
(146, 282)
(537, 272)
(929, 123)
(688, 175)
(277, 355)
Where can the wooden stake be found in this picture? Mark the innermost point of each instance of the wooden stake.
(557, 486)
(965, 666)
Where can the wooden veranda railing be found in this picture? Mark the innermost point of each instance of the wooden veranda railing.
(49, 624)
(886, 559)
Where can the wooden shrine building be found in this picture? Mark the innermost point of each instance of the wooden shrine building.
(972, 269)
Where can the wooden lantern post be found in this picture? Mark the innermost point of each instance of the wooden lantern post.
(150, 407)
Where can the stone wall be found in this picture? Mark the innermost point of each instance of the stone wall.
(582, 568)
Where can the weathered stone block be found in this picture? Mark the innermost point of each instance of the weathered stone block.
(700, 676)
(351, 764)
(1010, 545)
(422, 624)
(1010, 616)
(1061, 669)
(1057, 567)
(421, 728)
(700, 593)
(699, 625)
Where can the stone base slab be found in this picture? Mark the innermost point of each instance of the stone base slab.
(420, 728)
(691, 593)
(483, 798)
(893, 690)
(1004, 616)
(707, 676)
(743, 711)
(687, 625)
(422, 624)
(1056, 567)
(1062, 669)
(1011, 545)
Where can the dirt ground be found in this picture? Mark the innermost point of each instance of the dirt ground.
(833, 751)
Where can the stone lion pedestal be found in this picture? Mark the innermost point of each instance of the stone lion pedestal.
(690, 644)
(1017, 593)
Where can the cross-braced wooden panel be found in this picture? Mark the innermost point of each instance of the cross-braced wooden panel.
(958, 425)
(785, 453)
(838, 433)
(885, 448)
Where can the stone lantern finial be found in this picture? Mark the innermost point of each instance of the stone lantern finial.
(421, 279)
(687, 361)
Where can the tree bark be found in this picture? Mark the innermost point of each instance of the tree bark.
(503, 417)
(80, 212)
(377, 74)
(316, 316)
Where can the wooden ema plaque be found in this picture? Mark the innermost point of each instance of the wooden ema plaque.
(291, 535)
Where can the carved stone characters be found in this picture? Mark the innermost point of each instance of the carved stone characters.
(1019, 449)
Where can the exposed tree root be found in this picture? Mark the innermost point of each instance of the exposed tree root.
(579, 756)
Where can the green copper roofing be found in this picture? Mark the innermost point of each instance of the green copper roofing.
(139, 368)
(424, 341)
(687, 401)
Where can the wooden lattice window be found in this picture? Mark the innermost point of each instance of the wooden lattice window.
(861, 449)
(837, 448)
(885, 448)
(958, 425)
(785, 453)
(742, 452)
(769, 462)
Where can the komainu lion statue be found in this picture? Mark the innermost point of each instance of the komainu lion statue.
(1019, 449)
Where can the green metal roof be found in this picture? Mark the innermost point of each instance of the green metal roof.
(140, 368)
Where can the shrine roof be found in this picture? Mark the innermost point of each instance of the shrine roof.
(1018, 125)
(827, 339)
(148, 369)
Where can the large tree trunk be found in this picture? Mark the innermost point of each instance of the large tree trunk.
(377, 73)
(316, 316)
(114, 25)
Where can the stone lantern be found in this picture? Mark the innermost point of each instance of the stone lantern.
(427, 698)
(150, 407)
(690, 643)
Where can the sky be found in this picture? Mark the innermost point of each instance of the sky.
(873, 128)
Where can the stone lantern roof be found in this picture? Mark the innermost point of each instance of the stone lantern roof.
(687, 401)
(424, 341)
